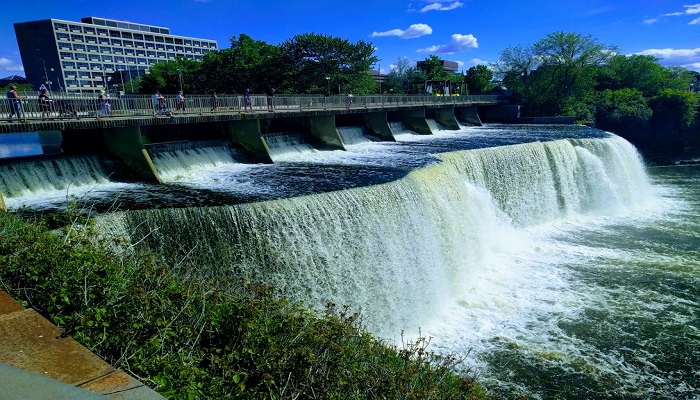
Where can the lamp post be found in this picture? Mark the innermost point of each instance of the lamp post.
(328, 82)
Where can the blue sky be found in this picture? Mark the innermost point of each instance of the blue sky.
(467, 31)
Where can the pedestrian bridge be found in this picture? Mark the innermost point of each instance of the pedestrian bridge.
(122, 133)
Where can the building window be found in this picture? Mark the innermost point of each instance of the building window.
(129, 52)
(114, 34)
(169, 47)
(79, 47)
(105, 49)
(160, 39)
(116, 42)
(128, 43)
(197, 43)
(107, 59)
(142, 61)
(141, 53)
(169, 40)
(138, 36)
(188, 42)
(81, 56)
(161, 54)
(150, 45)
(139, 45)
(62, 36)
(76, 38)
(197, 50)
(68, 64)
(95, 57)
(65, 46)
(188, 49)
(178, 41)
(76, 28)
(126, 35)
(151, 54)
(91, 39)
(171, 55)
(104, 40)
(108, 67)
(59, 26)
(180, 49)
(149, 38)
(92, 48)
(102, 32)
(160, 46)
(66, 55)
(96, 66)
(117, 50)
(83, 65)
(88, 30)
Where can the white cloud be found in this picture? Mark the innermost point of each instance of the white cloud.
(413, 31)
(688, 58)
(441, 6)
(689, 10)
(8, 65)
(457, 44)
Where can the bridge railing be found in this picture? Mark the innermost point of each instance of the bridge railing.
(83, 106)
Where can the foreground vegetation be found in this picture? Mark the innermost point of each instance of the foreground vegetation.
(190, 340)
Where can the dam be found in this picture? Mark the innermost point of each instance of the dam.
(550, 258)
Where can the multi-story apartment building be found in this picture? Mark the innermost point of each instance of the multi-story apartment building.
(86, 56)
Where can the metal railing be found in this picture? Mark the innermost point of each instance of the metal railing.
(66, 106)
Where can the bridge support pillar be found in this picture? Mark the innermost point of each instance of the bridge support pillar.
(446, 118)
(468, 115)
(126, 144)
(246, 133)
(377, 123)
(322, 127)
(415, 121)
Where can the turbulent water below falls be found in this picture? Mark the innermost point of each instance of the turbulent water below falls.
(548, 257)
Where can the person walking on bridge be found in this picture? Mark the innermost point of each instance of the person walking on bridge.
(15, 105)
(246, 100)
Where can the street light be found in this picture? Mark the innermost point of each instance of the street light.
(328, 82)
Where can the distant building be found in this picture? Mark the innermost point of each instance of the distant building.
(84, 57)
(449, 66)
(12, 79)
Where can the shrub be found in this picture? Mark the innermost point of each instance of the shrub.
(192, 341)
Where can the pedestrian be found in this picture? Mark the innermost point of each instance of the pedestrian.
(105, 108)
(180, 101)
(162, 106)
(15, 105)
(155, 99)
(214, 101)
(271, 100)
(349, 100)
(45, 103)
(246, 100)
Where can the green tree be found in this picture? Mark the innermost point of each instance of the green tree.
(312, 58)
(563, 82)
(624, 111)
(514, 67)
(434, 69)
(403, 77)
(479, 78)
(636, 71)
(166, 77)
(675, 109)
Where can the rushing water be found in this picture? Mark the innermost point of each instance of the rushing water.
(548, 257)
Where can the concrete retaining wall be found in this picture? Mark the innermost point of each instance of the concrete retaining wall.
(415, 121)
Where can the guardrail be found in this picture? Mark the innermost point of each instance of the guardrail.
(66, 106)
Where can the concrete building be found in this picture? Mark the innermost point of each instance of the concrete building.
(86, 56)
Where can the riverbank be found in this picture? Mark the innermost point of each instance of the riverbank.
(189, 339)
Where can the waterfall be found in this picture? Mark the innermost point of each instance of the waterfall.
(175, 161)
(353, 135)
(398, 128)
(287, 144)
(402, 250)
(37, 177)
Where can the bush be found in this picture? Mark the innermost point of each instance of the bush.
(190, 340)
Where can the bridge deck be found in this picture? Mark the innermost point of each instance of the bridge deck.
(80, 112)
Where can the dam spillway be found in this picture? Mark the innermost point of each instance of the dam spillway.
(503, 243)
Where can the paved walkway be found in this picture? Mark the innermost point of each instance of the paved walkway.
(35, 361)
